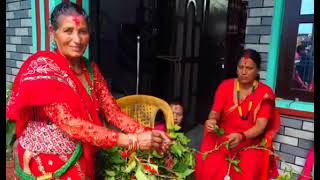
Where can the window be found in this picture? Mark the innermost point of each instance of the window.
(296, 57)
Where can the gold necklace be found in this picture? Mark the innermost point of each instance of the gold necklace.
(250, 103)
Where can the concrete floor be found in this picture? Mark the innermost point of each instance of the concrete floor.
(196, 135)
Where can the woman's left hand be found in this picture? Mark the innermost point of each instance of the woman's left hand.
(234, 139)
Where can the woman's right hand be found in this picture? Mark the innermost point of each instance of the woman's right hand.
(209, 124)
(154, 139)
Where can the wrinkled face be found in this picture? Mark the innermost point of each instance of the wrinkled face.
(177, 113)
(247, 70)
(72, 36)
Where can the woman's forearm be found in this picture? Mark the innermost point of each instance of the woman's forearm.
(110, 108)
(123, 140)
(257, 129)
(214, 115)
(81, 130)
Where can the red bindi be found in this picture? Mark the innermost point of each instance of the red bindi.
(76, 20)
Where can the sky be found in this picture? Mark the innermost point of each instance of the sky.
(307, 7)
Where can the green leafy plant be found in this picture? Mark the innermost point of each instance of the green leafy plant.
(176, 163)
(10, 127)
(287, 174)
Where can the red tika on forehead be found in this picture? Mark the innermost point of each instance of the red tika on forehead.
(246, 55)
(76, 20)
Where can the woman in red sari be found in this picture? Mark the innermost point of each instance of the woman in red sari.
(242, 107)
(56, 100)
(308, 170)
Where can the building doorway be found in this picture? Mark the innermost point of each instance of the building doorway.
(187, 48)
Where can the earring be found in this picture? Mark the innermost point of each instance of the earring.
(53, 44)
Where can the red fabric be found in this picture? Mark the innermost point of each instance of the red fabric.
(215, 167)
(307, 170)
(39, 92)
(161, 127)
(110, 108)
(52, 162)
(46, 80)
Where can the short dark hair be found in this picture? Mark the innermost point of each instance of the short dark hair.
(300, 48)
(175, 101)
(252, 54)
(66, 8)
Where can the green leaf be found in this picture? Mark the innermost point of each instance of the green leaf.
(190, 161)
(238, 169)
(140, 175)
(10, 125)
(176, 127)
(10, 133)
(205, 155)
(183, 139)
(227, 146)
(175, 161)
(109, 178)
(173, 135)
(292, 174)
(177, 149)
(180, 168)
(117, 159)
(170, 127)
(280, 177)
(156, 154)
(131, 165)
(186, 173)
(110, 173)
(287, 177)
(263, 142)
(115, 149)
(8, 91)
(220, 131)
(235, 162)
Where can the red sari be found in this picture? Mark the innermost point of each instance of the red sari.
(307, 174)
(54, 111)
(215, 166)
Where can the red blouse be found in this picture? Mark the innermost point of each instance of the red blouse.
(88, 132)
(225, 102)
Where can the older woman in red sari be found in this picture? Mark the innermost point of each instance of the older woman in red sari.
(56, 100)
(242, 107)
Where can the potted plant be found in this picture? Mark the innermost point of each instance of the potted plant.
(10, 139)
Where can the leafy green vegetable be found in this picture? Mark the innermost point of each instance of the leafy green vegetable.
(263, 142)
(219, 131)
(177, 162)
(10, 125)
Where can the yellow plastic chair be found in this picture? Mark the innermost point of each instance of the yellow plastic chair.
(144, 108)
